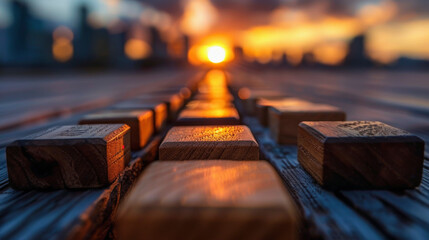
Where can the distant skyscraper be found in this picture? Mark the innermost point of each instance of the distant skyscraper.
(159, 47)
(84, 38)
(18, 31)
(356, 56)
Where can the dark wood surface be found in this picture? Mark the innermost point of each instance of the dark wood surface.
(360, 155)
(159, 111)
(139, 121)
(263, 104)
(209, 199)
(71, 156)
(365, 95)
(351, 214)
(209, 142)
(250, 97)
(283, 120)
(174, 102)
(74, 214)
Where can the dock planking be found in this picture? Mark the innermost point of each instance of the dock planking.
(328, 215)
(356, 214)
(360, 93)
(39, 98)
(68, 214)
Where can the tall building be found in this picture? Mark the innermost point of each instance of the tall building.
(18, 32)
(356, 56)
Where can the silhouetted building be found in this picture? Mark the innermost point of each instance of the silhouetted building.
(159, 47)
(238, 54)
(356, 56)
(19, 29)
(84, 39)
(186, 47)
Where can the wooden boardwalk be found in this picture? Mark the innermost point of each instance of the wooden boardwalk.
(400, 99)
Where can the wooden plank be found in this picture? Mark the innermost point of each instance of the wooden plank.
(208, 200)
(73, 156)
(159, 111)
(139, 121)
(209, 142)
(213, 116)
(360, 155)
(40, 98)
(263, 104)
(284, 120)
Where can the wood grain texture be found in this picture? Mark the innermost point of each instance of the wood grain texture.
(284, 120)
(209, 142)
(208, 200)
(210, 116)
(74, 156)
(174, 102)
(360, 154)
(139, 121)
(159, 110)
(263, 104)
(349, 214)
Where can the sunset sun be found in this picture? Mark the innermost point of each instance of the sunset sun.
(216, 54)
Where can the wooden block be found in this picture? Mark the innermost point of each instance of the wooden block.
(209, 142)
(208, 200)
(263, 104)
(360, 155)
(158, 109)
(140, 122)
(74, 156)
(250, 98)
(283, 120)
(174, 102)
(208, 104)
(214, 116)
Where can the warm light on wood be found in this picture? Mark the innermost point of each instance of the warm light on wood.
(208, 200)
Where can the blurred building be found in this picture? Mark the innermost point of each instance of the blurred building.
(357, 56)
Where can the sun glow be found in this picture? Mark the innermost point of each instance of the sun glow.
(216, 54)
